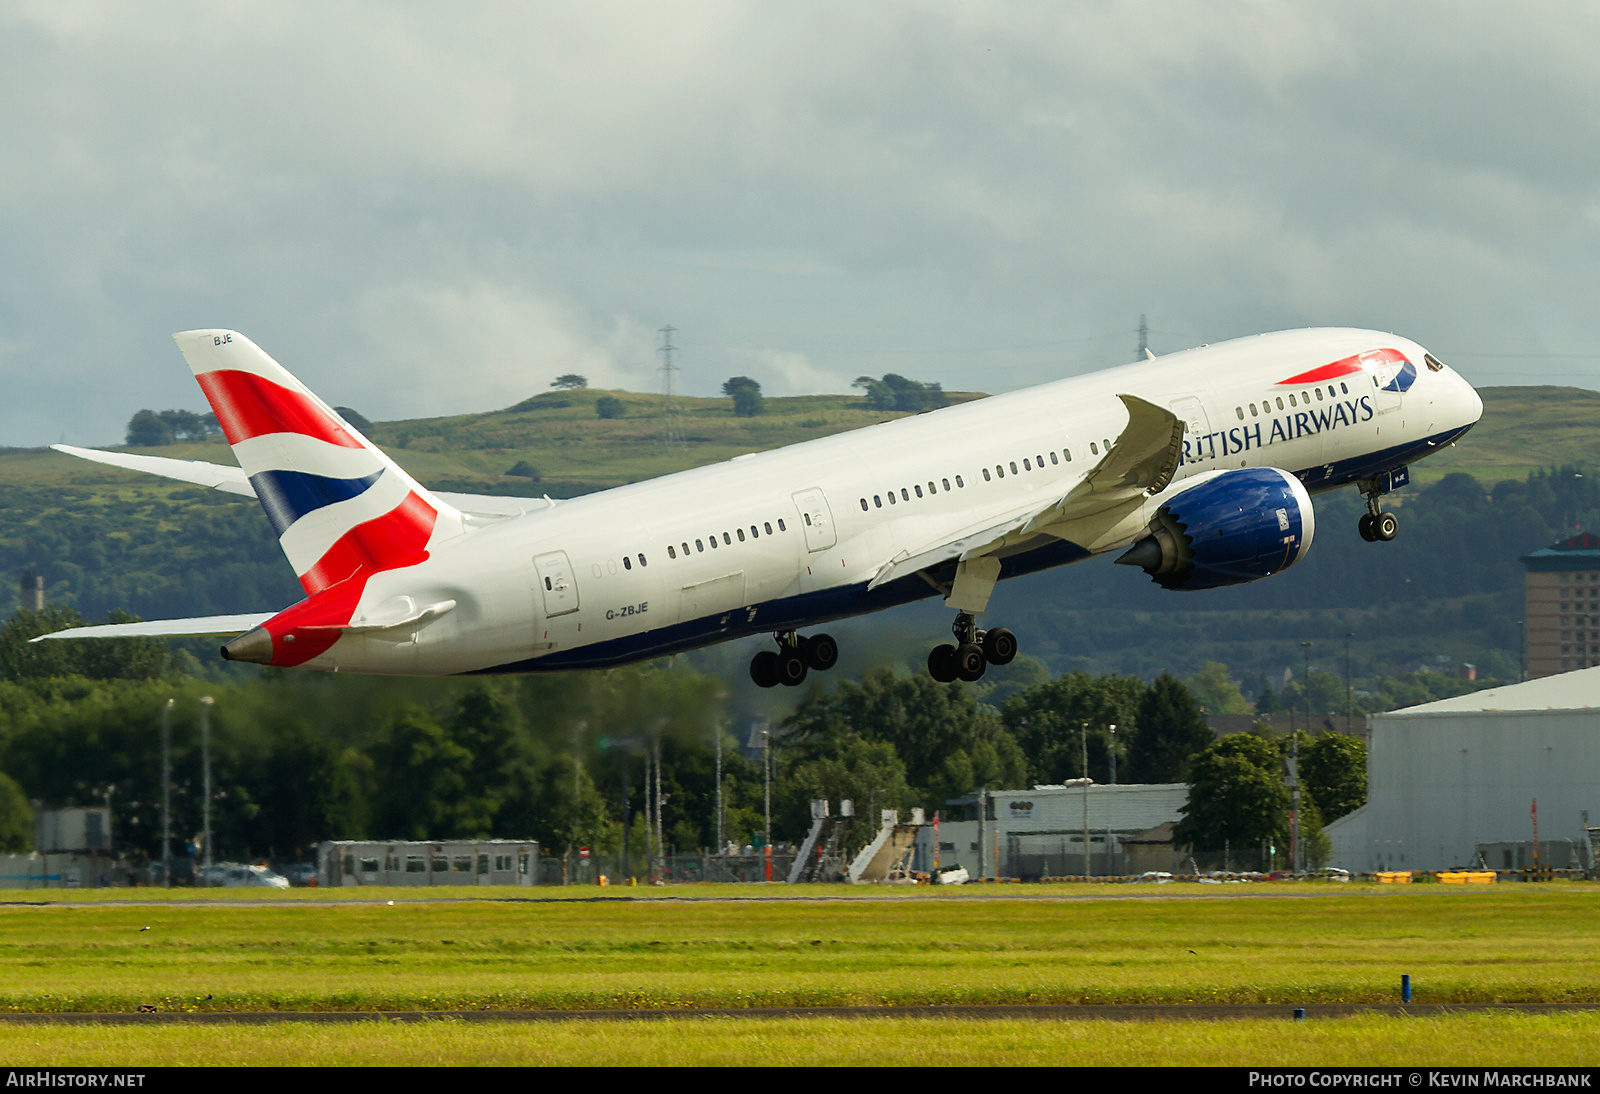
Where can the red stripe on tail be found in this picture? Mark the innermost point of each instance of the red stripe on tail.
(249, 406)
(398, 538)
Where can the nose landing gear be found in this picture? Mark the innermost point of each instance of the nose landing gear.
(793, 659)
(1375, 524)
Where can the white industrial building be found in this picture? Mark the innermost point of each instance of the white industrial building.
(1454, 783)
(1041, 832)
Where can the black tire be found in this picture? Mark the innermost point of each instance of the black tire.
(821, 652)
(764, 669)
(791, 668)
(970, 662)
(999, 646)
(1386, 526)
(942, 663)
(1364, 526)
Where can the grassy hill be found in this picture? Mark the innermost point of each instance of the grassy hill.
(559, 433)
(1524, 428)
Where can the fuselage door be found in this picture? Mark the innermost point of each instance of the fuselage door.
(1197, 429)
(1388, 380)
(557, 583)
(815, 519)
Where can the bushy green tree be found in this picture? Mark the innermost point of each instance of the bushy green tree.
(746, 396)
(16, 818)
(1048, 722)
(938, 731)
(1215, 692)
(609, 406)
(1171, 731)
(1333, 771)
(1237, 797)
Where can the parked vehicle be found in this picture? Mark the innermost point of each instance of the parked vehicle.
(235, 875)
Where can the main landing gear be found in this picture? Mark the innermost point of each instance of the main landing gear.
(793, 658)
(972, 653)
(1376, 525)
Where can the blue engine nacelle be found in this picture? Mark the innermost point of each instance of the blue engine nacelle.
(1235, 527)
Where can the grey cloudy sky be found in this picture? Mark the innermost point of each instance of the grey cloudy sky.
(425, 209)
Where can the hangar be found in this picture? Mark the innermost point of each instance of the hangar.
(1460, 782)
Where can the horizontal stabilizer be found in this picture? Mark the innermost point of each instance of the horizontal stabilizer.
(215, 475)
(167, 628)
(232, 479)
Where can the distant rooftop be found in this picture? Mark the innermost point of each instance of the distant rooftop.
(1581, 552)
(1577, 690)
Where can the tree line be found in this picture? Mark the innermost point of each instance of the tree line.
(303, 757)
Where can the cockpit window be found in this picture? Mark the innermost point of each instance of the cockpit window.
(1433, 363)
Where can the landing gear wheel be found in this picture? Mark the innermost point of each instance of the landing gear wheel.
(1364, 526)
(1385, 526)
(999, 646)
(791, 667)
(821, 652)
(970, 662)
(942, 663)
(764, 669)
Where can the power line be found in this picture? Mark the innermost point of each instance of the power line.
(671, 436)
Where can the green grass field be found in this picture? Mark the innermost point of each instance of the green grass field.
(1286, 944)
(1559, 1040)
(752, 946)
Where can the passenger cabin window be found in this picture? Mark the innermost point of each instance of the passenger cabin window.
(1291, 400)
(959, 483)
(892, 498)
(713, 541)
(727, 539)
(918, 489)
(642, 562)
(670, 552)
(699, 546)
(1094, 449)
(1053, 461)
(627, 563)
(986, 476)
(905, 495)
(876, 500)
(1013, 467)
(1239, 410)
(753, 533)
(768, 526)
(863, 509)
(781, 526)
(740, 531)
(1026, 466)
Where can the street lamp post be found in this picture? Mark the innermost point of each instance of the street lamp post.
(205, 762)
(166, 793)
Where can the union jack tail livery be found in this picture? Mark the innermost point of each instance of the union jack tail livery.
(339, 505)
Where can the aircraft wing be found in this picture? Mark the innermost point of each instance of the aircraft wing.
(1140, 463)
(166, 628)
(232, 480)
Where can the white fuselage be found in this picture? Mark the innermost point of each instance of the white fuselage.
(780, 540)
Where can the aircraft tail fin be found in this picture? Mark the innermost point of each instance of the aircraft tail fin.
(339, 505)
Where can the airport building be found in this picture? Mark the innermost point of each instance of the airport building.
(1467, 781)
(1042, 832)
(1563, 606)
